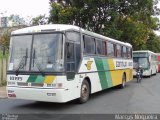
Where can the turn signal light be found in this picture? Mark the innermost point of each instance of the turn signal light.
(12, 95)
(59, 85)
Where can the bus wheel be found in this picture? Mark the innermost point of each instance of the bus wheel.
(85, 91)
(123, 81)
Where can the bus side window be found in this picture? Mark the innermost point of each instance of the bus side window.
(70, 57)
(105, 49)
(115, 50)
(124, 52)
(89, 45)
(110, 49)
(129, 53)
(119, 54)
(100, 47)
(70, 51)
(73, 36)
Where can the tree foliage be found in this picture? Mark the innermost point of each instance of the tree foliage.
(16, 20)
(155, 7)
(153, 43)
(125, 20)
(39, 20)
(4, 41)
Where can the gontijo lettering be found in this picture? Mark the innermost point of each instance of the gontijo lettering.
(121, 63)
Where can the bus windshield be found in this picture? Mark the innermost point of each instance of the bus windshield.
(138, 61)
(39, 52)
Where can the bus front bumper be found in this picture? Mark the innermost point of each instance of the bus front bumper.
(39, 94)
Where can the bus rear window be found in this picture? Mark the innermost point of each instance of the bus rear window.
(129, 53)
(124, 52)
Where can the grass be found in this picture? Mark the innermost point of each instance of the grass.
(3, 56)
(4, 83)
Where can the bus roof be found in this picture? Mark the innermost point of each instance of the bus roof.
(45, 28)
(63, 27)
(140, 51)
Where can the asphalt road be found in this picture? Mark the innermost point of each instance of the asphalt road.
(135, 98)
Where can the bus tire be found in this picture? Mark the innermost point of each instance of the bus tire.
(123, 81)
(85, 92)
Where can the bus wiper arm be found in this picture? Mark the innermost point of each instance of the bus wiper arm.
(22, 63)
(39, 68)
(37, 64)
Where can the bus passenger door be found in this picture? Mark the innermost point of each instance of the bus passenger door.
(70, 60)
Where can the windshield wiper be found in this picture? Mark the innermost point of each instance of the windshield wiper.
(37, 64)
(22, 63)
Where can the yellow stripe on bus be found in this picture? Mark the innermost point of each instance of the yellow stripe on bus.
(117, 77)
(115, 74)
(49, 79)
(118, 74)
(111, 64)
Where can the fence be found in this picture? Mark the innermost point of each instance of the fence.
(3, 69)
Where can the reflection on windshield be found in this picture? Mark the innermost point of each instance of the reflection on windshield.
(22, 63)
(140, 62)
(19, 46)
(46, 53)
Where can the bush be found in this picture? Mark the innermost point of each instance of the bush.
(3, 56)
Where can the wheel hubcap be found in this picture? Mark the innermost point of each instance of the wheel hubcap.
(123, 81)
(84, 91)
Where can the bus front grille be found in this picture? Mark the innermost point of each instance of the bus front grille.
(37, 84)
(30, 84)
(22, 84)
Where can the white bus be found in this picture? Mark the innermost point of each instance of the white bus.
(59, 63)
(148, 60)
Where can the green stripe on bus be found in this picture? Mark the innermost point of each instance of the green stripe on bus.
(40, 79)
(32, 78)
(108, 73)
(101, 74)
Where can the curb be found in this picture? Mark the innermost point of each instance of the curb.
(3, 97)
(3, 93)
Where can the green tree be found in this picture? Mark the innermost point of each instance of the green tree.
(125, 20)
(16, 20)
(5, 40)
(39, 20)
(153, 43)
